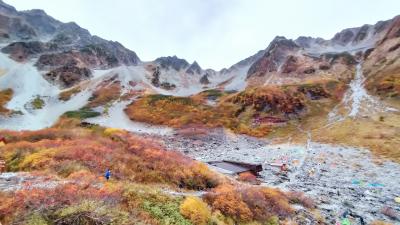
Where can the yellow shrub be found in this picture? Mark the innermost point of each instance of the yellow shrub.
(39, 159)
(111, 131)
(195, 210)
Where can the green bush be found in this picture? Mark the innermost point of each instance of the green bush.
(36, 219)
(37, 103)
(82, 113)
(213, 93)
(183, 100)
(274, 220)
(91, 213)
(163, 208)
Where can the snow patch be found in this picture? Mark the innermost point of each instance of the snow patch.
(117, 118)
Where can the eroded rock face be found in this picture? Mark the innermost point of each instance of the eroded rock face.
(393, 29)
(68, 75)
(20, 51)
(290, 64)
(204, 79)
(274, 55)
(381, 64)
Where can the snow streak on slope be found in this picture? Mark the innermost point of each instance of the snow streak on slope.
(358, 95)
(357, 101)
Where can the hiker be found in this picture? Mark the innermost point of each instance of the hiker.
(107, 175)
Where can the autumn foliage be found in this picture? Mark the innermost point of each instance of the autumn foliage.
(76, 159)
(5, 96)
(181, 112)
(247, 177)
(239, 112)
(108, 91)
(249, 203)
(195, 210)
(129, 157)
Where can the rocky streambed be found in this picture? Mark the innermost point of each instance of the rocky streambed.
(341, 179)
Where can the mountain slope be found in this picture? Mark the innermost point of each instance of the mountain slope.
(76, 68)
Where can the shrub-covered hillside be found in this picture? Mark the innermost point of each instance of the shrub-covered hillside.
(66, 165)
(254, 111)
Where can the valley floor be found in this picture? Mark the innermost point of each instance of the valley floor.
(339, 178)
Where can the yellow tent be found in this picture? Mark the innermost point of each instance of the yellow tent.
(2, 143)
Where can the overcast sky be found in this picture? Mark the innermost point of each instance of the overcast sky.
(215, 33)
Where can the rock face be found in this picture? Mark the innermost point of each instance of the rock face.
(65, 51)
(290, 61)
(21, 51)
(382, 64)
(274, 55)
(194, 68)
(204, 79)
(172, 62)
(69, 75)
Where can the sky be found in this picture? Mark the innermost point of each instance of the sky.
(215, 33)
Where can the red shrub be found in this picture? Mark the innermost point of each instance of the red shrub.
(297, 197)
(247, 177)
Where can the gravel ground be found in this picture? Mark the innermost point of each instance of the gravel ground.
(10, 182)
(338, 178)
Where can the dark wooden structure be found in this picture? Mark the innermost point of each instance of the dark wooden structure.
(235, 168)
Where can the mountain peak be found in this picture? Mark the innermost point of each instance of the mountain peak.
(6, 8)
(172, 62)
(194, 68)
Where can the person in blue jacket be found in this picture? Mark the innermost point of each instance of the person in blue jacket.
(107, 175)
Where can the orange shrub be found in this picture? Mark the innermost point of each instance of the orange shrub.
(226, 199)
(105, 94)
(248, 203)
